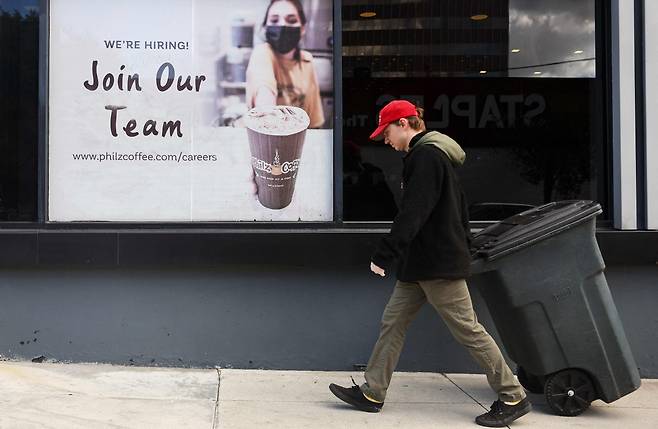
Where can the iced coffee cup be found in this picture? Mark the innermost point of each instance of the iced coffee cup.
(276, 138)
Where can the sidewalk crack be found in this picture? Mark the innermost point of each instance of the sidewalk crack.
(465, 392)
(215, 418)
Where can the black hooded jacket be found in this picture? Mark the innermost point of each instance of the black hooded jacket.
(430, 236)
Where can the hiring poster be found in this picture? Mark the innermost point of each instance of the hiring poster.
(190, 110)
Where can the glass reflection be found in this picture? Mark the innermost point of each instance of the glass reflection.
(19, 84)
(485, 72)
(552, 39)
(475, 38)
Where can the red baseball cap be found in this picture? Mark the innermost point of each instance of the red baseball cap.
(393, 111)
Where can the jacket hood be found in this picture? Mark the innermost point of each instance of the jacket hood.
(450, 147)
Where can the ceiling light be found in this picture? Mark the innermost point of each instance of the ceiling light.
(483, 72)
(368, 14)
(516, 50)
(479, 17)
(578, 52)
(537, 73)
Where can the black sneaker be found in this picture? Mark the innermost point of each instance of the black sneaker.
(501, 414)
(354, 396)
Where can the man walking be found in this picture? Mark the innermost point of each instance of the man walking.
(429, 240)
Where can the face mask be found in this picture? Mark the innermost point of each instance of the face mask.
(283, 39)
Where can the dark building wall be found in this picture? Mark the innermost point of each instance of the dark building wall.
(321, 312)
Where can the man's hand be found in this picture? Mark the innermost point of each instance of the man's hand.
(375, 269)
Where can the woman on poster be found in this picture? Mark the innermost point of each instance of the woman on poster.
(279, 72)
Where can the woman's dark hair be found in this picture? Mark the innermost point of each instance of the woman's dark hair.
(296, 3)
(302, 17)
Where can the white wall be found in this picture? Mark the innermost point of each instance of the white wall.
(651, 79)
(623, 108)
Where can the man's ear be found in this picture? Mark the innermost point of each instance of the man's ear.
(404, 122)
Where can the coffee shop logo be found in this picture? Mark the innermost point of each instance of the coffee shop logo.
(276, 165)
(276, 168)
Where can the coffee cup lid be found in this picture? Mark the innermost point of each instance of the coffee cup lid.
(277, 120)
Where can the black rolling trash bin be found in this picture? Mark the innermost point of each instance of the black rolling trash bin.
(547, 294)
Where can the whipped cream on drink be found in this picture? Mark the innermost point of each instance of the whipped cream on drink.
(277, 120)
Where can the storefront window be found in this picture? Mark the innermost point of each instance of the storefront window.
(19, 84)
(517, 83)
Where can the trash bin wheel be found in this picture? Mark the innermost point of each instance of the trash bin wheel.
(569, 392)
(530, 382)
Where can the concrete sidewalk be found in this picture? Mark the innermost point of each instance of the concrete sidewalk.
(104, 396)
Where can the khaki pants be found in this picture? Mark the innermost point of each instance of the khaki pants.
(453, 302)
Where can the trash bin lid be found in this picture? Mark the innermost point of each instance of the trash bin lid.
(531, 226)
